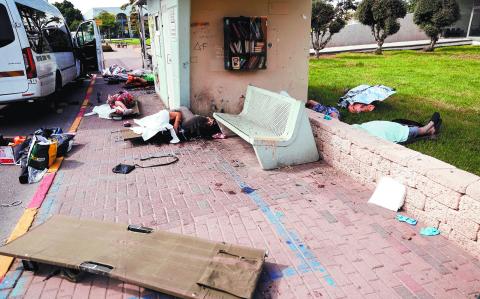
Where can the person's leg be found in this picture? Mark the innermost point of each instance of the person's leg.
(174, 136)
(427, 129)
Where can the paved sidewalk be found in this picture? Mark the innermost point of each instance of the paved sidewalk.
(324, 241)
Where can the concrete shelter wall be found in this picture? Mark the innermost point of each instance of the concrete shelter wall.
(215, 89)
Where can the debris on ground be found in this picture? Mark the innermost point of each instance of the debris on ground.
(389, 194)
(248, 190)
(406, 219)
(36, 153)
(126, 169)
(429, 231)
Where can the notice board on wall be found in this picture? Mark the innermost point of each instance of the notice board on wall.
(245, 45)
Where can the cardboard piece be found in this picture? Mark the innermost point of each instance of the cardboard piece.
(129, 135)
(178, 265)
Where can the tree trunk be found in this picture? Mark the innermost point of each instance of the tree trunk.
(379, 50)
(431, 47)
(317, 53)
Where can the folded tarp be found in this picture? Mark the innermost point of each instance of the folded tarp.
(174, 264)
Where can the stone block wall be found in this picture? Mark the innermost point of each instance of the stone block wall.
(438, 193)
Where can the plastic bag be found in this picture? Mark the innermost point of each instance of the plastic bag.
(43, 153)
(64, 143)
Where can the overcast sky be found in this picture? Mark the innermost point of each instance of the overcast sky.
(85, 5)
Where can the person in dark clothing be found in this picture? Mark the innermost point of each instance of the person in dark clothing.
(194, 126)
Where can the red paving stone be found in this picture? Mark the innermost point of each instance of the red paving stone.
(324, 240)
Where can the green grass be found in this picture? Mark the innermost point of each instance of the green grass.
(129, 41)
(447, 81)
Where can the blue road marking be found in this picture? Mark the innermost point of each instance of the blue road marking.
(308, 262)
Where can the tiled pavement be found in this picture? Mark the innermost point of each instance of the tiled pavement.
(324, 241)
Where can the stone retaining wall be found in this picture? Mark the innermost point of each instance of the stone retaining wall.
(438, 193)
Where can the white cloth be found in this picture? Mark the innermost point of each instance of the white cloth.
(103, 111)
(151, 125)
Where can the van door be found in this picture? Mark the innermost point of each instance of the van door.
(13, 78)
(89, 47)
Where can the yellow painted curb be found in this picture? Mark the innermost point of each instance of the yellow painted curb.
(21, 228)
(75, 125)
(23, 224)
(5, 263)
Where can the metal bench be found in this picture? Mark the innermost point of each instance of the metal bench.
(276, 125)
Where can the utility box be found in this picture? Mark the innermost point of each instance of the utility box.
(206, 52)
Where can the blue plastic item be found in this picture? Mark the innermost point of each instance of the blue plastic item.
(406, 219)
(429, 231)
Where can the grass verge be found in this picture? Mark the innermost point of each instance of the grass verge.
(446, 80)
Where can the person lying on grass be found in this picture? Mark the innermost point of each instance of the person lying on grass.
(402, 131)
(317, 107)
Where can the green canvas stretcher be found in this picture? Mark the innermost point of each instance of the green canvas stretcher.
(174, 264)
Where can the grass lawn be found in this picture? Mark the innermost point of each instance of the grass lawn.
(447, 81)
(129, 41)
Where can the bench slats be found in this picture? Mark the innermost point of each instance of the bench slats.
(277, 127)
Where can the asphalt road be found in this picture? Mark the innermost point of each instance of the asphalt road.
(25, 118)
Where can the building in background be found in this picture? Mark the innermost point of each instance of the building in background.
(467, 27)
(126, 20)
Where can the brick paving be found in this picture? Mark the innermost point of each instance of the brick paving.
(323, 239)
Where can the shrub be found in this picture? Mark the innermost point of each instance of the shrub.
(328, 20)
(432, 16)
(382, 17)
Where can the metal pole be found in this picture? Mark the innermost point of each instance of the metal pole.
(142, 35)
(471, 19)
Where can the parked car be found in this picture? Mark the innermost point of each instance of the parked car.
(37, 53)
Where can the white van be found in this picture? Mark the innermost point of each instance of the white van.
(37, 53)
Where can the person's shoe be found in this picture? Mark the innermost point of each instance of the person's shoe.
(174, 141)
(435, 118)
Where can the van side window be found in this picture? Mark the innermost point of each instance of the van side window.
(57, 34)
(33, 21)
(6, 31)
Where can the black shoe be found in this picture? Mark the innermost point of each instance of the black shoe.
(435, 118)
(437, 126)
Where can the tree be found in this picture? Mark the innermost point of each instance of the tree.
(107, 22)
(328, 20)
(382, 17)
(411, 4)
(72, 15)
(432, 16)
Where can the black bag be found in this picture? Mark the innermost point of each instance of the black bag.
(123, 168)
(126, 169)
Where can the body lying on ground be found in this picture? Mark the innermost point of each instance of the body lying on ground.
(178, 122)
(122, 102)
(401, 133)
(327, 110)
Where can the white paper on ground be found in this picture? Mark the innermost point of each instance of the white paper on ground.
(389, 194)
(103, 111)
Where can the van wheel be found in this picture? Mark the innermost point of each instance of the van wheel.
(54, 98)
